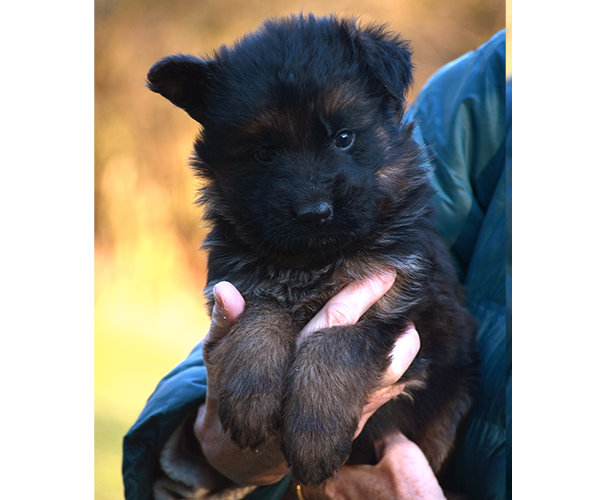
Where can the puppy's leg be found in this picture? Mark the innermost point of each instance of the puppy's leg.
(329, 381)
(249, 370)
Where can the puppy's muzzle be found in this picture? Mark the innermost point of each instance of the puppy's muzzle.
(316, 214)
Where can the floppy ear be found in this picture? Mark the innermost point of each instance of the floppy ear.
(183, 80)
(388, 57)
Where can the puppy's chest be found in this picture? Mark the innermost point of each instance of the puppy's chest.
(301, 293)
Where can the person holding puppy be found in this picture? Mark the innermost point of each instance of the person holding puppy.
(176, 449)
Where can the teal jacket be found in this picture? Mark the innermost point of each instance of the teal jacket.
(464, 117)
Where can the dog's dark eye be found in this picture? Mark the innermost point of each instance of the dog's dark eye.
(344, 139)
(264, 155)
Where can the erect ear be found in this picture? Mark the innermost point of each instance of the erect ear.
(184, 81)
(388, 57)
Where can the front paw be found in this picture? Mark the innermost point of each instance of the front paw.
(249, 409)
(316, 442)
(327, 386)
(248, 371)
(321, 409)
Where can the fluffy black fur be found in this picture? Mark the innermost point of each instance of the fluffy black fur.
(312, 180)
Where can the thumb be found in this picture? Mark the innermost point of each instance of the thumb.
(229, 305)
(348, 305)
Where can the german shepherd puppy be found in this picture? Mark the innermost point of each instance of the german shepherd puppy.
(312, 180)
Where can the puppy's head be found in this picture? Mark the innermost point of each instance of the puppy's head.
(301, 131)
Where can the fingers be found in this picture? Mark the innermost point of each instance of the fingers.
(404, 352)
(229, 305)
(346, 307)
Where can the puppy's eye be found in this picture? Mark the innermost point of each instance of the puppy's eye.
(264, 155)
(343, 140)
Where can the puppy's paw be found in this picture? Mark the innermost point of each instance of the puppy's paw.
(320, 414)
(249, 409)
(316, 446)
(248, 369)
(326, 389)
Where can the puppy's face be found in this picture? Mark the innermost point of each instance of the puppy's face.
(296, 174)
(300, 122)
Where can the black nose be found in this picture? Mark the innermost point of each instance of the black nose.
(315, 214)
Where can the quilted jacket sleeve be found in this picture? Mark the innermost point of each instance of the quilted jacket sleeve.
(464, 117)
(182, 390)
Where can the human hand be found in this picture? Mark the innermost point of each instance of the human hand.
(401, 473)
(268, 465)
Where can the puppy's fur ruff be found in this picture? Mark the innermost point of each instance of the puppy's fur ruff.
(311, 181)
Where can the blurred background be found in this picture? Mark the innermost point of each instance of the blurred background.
(149, 273)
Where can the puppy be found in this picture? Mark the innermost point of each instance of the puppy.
(311, 180)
